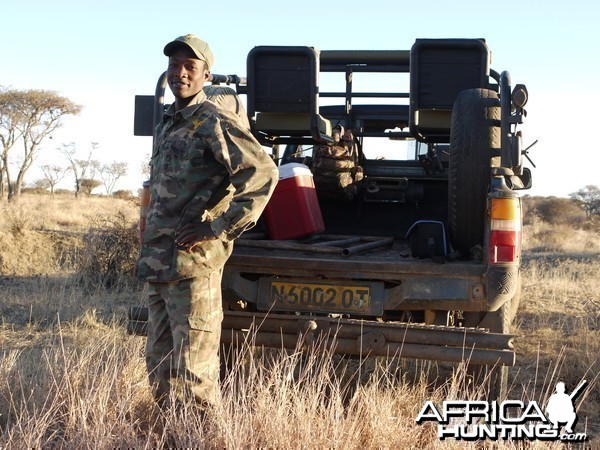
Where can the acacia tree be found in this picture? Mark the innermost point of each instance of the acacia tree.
(88, 185)
(589, 199)
(39, 186)
(27, 117)
(82, 168)
(110, 174)
(54, 174)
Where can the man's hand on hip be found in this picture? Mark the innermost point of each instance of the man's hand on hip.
(193, 233)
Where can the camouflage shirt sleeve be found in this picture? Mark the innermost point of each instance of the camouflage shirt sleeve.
(252, 174)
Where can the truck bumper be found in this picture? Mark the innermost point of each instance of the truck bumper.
(410, 285)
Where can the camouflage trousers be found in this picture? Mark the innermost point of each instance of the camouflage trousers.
(184, 332)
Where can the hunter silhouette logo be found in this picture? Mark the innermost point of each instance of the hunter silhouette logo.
(472, 420)
(560, 407)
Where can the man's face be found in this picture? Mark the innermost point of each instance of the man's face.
(186, 74)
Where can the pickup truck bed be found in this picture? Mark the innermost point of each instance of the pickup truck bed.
(386, 262)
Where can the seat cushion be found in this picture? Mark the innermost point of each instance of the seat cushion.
(434, 119)
(291, 124)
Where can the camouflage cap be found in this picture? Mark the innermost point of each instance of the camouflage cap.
(198, 46)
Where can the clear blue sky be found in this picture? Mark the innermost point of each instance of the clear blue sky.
(102, 54)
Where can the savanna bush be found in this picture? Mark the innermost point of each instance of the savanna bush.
(109, 254)
(17, 219)
(553, 210)
(123, 194)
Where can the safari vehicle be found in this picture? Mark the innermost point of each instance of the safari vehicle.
(418, 252)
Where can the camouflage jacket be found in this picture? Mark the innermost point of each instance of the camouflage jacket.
(207, 167)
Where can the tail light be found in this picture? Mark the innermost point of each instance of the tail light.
(505, 230)
(144, 202)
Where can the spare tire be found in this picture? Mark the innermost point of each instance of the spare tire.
(474, 150)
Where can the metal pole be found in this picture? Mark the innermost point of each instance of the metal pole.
(353, 347)
(367, 246)
(505, 114)
(279, 245)
(159, 101)
(338, 242)
(354, 337)
(391, 332)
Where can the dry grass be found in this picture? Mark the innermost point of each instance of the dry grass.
(558, 324)
(70, 377)
(42, 235)
(61, 212)
(540, 237)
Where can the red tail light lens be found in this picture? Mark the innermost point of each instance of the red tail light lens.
(505, 231)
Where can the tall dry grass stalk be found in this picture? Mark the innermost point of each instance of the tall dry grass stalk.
(85, 388)
(558, 324)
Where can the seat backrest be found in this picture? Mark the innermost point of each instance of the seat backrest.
(439, 70)
(282, 79)
(282, 86)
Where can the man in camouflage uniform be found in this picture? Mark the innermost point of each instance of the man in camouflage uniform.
(210, 180)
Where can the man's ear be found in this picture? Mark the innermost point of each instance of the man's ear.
(206, 75)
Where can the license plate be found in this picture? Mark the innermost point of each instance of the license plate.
(358, 298)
